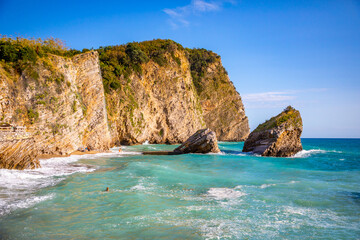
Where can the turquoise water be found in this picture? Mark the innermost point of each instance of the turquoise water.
(315, 195)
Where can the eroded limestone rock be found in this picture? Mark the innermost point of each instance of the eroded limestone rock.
(60, 100)
(18, 154)
(203, 141)
(277, 137)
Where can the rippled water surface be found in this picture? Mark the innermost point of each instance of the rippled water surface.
(232, 195)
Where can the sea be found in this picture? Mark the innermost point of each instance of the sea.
(230, 195)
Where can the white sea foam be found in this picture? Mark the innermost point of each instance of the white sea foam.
(308, 153)
(219, 153)
(22, 203)
(144, 184)
(267, 185)
(129, 153)
(224, 193)
(17, 187)
(146, 142)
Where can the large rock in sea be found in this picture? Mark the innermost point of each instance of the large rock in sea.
(203, 141)
(277, 137)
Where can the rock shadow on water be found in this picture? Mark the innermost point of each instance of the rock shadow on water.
(354, 196)
(234, 152)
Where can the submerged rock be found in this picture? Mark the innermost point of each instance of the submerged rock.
(203, 141)
(18, 154)
(277, 137)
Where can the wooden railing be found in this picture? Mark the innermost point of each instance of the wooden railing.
(6, 129)
(13, 129)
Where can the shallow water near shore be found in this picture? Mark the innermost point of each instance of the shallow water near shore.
(231, 195)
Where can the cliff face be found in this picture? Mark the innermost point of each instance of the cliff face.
(160, 92)
(18, 154)
(158, 105)
(222, 106)
(277, 137)
(60, 100)
(153, 91)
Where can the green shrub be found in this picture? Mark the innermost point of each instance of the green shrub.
(42, 102)
(32, 115)
(199, 61)
(137, 56)
(59, 79)
(74, 106)
(119, 62)
(20, 51)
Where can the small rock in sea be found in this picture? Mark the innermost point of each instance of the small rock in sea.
(203, 141)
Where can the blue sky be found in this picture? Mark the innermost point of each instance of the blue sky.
(298, 52)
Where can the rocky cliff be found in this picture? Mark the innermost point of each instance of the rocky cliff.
(277, 137)
(153, 91)
(222, 107)
(59, 99)
(157, 91)
(18, 154)
(155, 100)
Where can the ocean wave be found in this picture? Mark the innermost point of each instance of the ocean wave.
(129, 153)
(308, 153)
(219, 153)
(8, 206)
(267, 185)
(144, 184)
(18, 186)
(224, 193)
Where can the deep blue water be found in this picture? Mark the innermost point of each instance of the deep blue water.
(315, 195)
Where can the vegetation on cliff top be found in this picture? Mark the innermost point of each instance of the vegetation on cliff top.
(200, 59)
(115, 61)
(289, 116)
(19, 52)
(119, 62)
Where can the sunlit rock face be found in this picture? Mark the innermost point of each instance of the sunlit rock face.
(277, 137)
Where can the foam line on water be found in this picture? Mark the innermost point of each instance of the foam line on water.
(10, 205)
(17, 187)
(308, 153)
(224, 193)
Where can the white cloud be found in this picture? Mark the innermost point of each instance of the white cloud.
(268, 97)
(179, 16)
(275, 99)
(203, 6)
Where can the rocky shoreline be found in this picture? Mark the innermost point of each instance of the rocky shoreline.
(122, 95)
